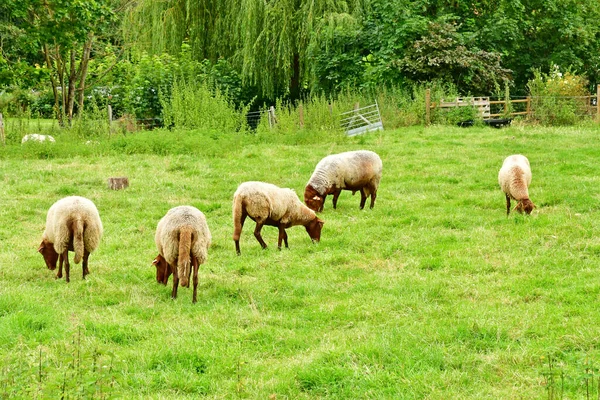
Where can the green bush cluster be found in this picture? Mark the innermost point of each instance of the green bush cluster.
(558, 98)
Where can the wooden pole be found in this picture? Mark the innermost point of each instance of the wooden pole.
(110, 116)
(273, 117)
(427, 107)
(528, 107)
(598, 103)
(301, 115)
(2, 137)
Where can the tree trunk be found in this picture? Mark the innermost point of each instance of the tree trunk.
(71, 91)
(53, 82)
(83, 69)
(295, 81)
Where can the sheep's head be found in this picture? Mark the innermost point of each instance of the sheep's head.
(50, 255)
(313, 199)
(314, 229)
(163, 270)
(315, 202)
(525, 205)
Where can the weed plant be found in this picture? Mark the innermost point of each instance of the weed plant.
(435, 293)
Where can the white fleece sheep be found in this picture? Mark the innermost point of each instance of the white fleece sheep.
(514, 179)
(182, 238)
(72, 223)
(353, 170)
(267, 204)
(36, 137)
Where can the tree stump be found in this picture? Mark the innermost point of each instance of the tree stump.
(118, 183)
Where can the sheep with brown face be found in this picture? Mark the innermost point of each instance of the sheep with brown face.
(353, 170)
(267, 204)
(514, 179)
(72, 224)
(182, 238)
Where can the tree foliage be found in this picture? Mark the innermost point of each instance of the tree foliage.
(60, 35)
(266, 42)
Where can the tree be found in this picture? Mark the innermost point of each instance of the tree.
(64, 34)
(445, 54)
(266, 41)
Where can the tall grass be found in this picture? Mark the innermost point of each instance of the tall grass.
(196, 105)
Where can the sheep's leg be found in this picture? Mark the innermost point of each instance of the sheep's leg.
(175, 282)
(238, 232)
(65, 256)
(86, 255)
(336, 194)
(195, 267)
(257, 230)
(363, 198)
(507, 204)
(282, 235)
(60, 265)
(373, 197)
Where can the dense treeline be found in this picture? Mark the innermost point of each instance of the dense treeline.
(256, 52)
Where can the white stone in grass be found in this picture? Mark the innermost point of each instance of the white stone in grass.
(36, 137)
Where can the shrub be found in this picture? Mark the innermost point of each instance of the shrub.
(557, 97)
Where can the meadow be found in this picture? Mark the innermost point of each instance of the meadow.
(435, 293)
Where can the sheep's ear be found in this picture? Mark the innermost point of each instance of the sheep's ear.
(41, 248)
(316, 198)
(155, 262)
(320, 221)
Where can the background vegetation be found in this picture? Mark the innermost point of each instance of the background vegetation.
(57, 57)
(434, 293)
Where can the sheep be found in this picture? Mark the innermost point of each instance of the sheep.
(72, 223)
(267, 204)
(514, 179)
(352, 170)
(182, 238)
(36, 137)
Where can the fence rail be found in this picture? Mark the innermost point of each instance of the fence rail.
(508, 108)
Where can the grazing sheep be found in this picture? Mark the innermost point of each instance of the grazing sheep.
(182, 238)
(267, 204)
(514, 179)
(36, 137)
(352, 170)
(72, 223)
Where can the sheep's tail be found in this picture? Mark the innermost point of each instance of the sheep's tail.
(78, 240)
(183, 259)
(237, 217)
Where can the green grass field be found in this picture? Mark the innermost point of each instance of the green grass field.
(434, 293)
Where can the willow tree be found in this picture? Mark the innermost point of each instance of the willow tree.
(266, 41)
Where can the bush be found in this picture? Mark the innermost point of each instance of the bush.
(557, 97)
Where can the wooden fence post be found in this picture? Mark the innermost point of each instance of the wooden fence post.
(598, 103)
(110, 117)
(528, 107)
(301, 115)
(272, 117)
(427, 107)
(2, 137)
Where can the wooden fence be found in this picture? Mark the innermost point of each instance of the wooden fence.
(506, 108)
